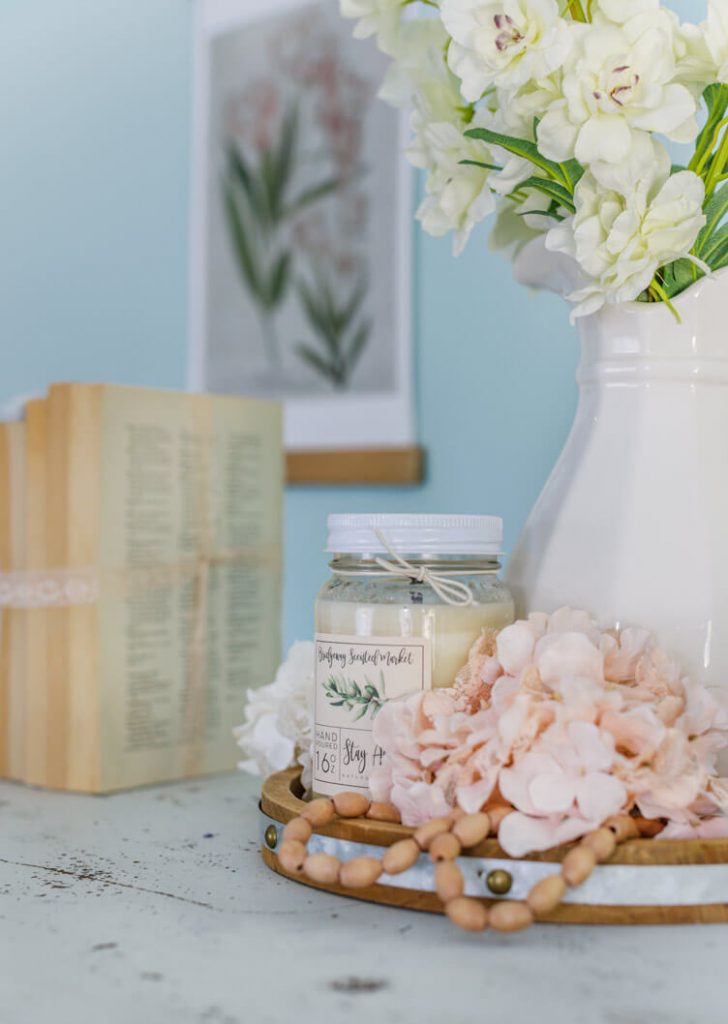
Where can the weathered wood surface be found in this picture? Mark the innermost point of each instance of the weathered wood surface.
(155, 907)
(281, 800)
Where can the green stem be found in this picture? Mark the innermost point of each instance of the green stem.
(660, 291)
(717, 166)
(703, 160)
(575, 9)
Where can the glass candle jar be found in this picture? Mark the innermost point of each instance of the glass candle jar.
(407, 598)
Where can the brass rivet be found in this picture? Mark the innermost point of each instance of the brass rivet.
(499, 881)
(271, 837)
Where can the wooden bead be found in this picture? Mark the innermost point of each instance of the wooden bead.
(322, 867)
(467, 913)
(360, 872)
(449, 881)
(292, 854)
(623, 827)
(648, 828)
(510, 916)
(602, 841)
(578, 864)
(351, 805)
(319, 812)
(384, 812)
(298, 829)
(497, 814)
(427, 832)
(400, 856)
(472, 829)
(546, 895)
(444, 847)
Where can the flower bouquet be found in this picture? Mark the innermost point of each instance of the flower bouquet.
(555, 115)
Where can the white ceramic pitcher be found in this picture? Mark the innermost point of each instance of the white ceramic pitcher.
(633, 521)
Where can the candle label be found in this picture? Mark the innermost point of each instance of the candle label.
(355, 677)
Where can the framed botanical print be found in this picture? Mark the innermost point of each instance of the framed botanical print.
(301, 280)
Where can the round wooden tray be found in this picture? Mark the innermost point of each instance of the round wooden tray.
(648, 881)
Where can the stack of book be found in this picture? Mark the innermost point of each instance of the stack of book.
(140, 554)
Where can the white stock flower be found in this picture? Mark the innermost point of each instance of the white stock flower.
(716, 37)
(458, 196)
(420, 69)
(618, 82)
(278, 727)
(380, 18)
(631, 219)
(503, 42)
(620, 11)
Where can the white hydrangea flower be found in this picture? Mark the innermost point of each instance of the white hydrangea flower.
(380, 18)
(278, 728)
(619, 81)
(631, 218)
(504, 42)
(715, 33)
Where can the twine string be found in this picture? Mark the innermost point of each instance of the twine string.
(452, 591)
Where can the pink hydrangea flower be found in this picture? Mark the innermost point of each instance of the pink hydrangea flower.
(566, 723)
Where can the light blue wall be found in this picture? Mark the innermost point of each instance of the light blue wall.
(93, 272)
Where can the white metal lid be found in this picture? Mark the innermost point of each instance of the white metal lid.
(416, 534)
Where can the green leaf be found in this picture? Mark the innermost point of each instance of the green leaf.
(317, 315)
(519, 147)
(715, 210)
(552, 189)
(240, 173)
(713, 248)
(272, 184)
(480, 163)
(357, 346)
(241, 245)
(362, 711)
(286, 151)
(313, 195)
(573, 172)
(678, 275)
(716, 100)
(357, 297)
(279, 279)
(314, 360)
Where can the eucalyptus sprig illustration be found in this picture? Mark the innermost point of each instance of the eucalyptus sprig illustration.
(342, 692)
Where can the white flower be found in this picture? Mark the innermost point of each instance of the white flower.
(504, 42)
(380, 18)
(716, 36)
(458, 195)
(617, 82)
(630, 220)
(518, 223)
(278, 727)
(620, 11)
(419, 74)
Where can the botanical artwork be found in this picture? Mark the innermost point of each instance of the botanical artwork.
(301, 210)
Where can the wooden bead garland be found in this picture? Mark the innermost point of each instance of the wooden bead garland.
(444, 839)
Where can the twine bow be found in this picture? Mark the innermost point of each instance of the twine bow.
(449, 590)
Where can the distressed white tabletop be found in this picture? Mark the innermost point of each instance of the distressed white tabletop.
(154, 907)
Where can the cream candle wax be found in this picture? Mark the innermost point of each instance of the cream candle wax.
(407, 598)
